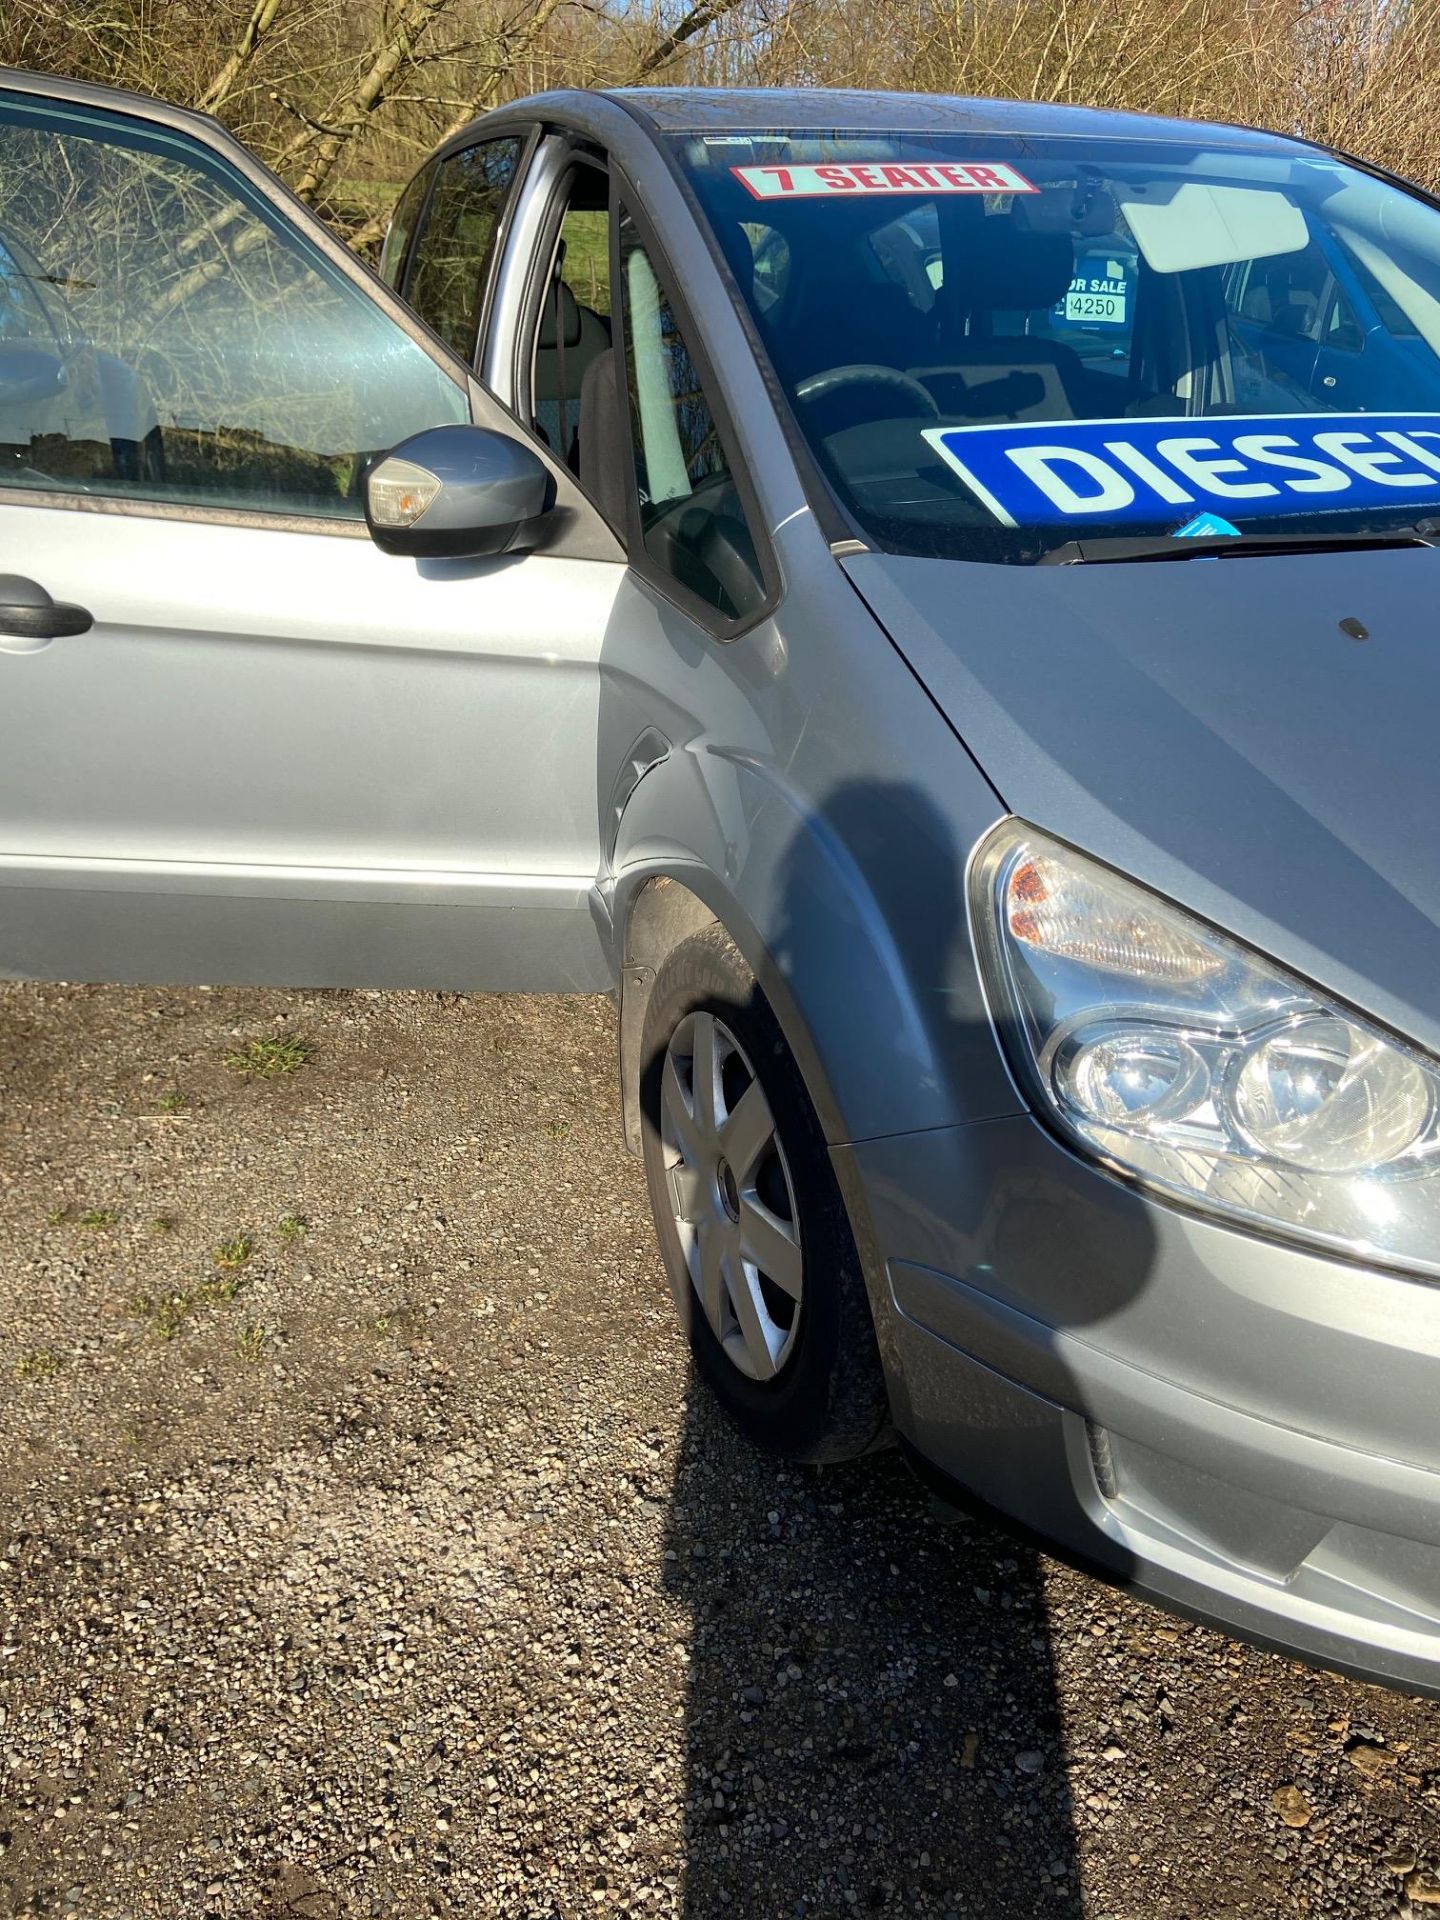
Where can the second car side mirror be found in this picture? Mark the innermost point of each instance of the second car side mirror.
(28, 374)
(456, 492)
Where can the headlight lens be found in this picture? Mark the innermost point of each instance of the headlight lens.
(1200, 1069)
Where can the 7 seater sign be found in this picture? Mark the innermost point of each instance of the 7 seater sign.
(795, 182)
(1138, 472)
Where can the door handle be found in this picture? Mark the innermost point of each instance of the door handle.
(27, 613)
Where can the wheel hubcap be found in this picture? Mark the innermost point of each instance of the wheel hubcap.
(731, 1196)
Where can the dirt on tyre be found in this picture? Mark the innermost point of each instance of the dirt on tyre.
(751, 1224)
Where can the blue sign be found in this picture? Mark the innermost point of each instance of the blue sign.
(1138, 472)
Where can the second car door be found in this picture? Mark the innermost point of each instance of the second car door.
(275, 754)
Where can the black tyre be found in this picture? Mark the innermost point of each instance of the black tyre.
(749, 1216)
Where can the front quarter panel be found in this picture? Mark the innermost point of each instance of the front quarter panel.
(812, 796)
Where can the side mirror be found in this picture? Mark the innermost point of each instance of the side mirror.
(28, 374)
(456, 492)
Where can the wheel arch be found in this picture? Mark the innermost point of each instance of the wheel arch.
(848, 909)
(661, 904)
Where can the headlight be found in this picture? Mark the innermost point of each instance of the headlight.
(1195, 1067)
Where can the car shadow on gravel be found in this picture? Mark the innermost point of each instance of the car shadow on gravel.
(872, 1722)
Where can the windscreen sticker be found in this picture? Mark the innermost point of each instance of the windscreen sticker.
(1137, 472)
(1098, 294)
(911, 176)
(1207, 526)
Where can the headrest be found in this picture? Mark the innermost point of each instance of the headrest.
(560, 302)
(1004, 268)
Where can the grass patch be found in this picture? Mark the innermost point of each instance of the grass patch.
(40, 1363)
(220, 1291)
(57, 1216)
(557, 1129)
(163, 1223)
(587, 258)
(371, 194)
(97, 1219)
(166, 1314)
(268, 1058)
(235, 1253)
(251, 1341)
(394, 1321)
(293, 1226)
(174, 1102)
(169, 1314)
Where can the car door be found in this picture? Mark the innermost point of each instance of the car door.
(272, 754)
(589, 337)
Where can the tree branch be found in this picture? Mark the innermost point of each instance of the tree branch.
(699, 19)
(388, 55)
(262, 18)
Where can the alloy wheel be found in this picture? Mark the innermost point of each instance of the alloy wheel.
(731, 1196)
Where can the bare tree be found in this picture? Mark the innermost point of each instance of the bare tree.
(261, 20)
(343, 97)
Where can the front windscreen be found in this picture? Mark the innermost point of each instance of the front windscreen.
(995, 345)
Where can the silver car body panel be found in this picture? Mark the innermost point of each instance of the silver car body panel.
(336, 746)
(1194, 1412)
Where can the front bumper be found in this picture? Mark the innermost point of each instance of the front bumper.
(1233, 1427)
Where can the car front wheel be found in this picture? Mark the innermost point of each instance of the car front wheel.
(749, 1216)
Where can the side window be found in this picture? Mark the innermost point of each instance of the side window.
(402, 225)
(770, 263)
(574, 329)
(1392, 315)
(691, 515)
(450, 263)
(1286, 293)
(1343, 330)
(190, 343)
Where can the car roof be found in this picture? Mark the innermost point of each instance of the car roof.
(821, 109)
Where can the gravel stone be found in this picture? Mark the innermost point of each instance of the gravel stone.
(413, 1576)
(1292, 1807)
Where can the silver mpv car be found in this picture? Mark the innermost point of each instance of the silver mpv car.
(930, 597)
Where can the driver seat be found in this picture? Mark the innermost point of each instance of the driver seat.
(841, 321)
(989, 377)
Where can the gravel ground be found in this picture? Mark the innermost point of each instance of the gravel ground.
(367, 1551)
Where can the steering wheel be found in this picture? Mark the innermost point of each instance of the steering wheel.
(863, 373)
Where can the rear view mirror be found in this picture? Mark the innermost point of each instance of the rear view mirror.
(457, 492)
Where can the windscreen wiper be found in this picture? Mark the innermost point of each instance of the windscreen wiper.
(1150, 546)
